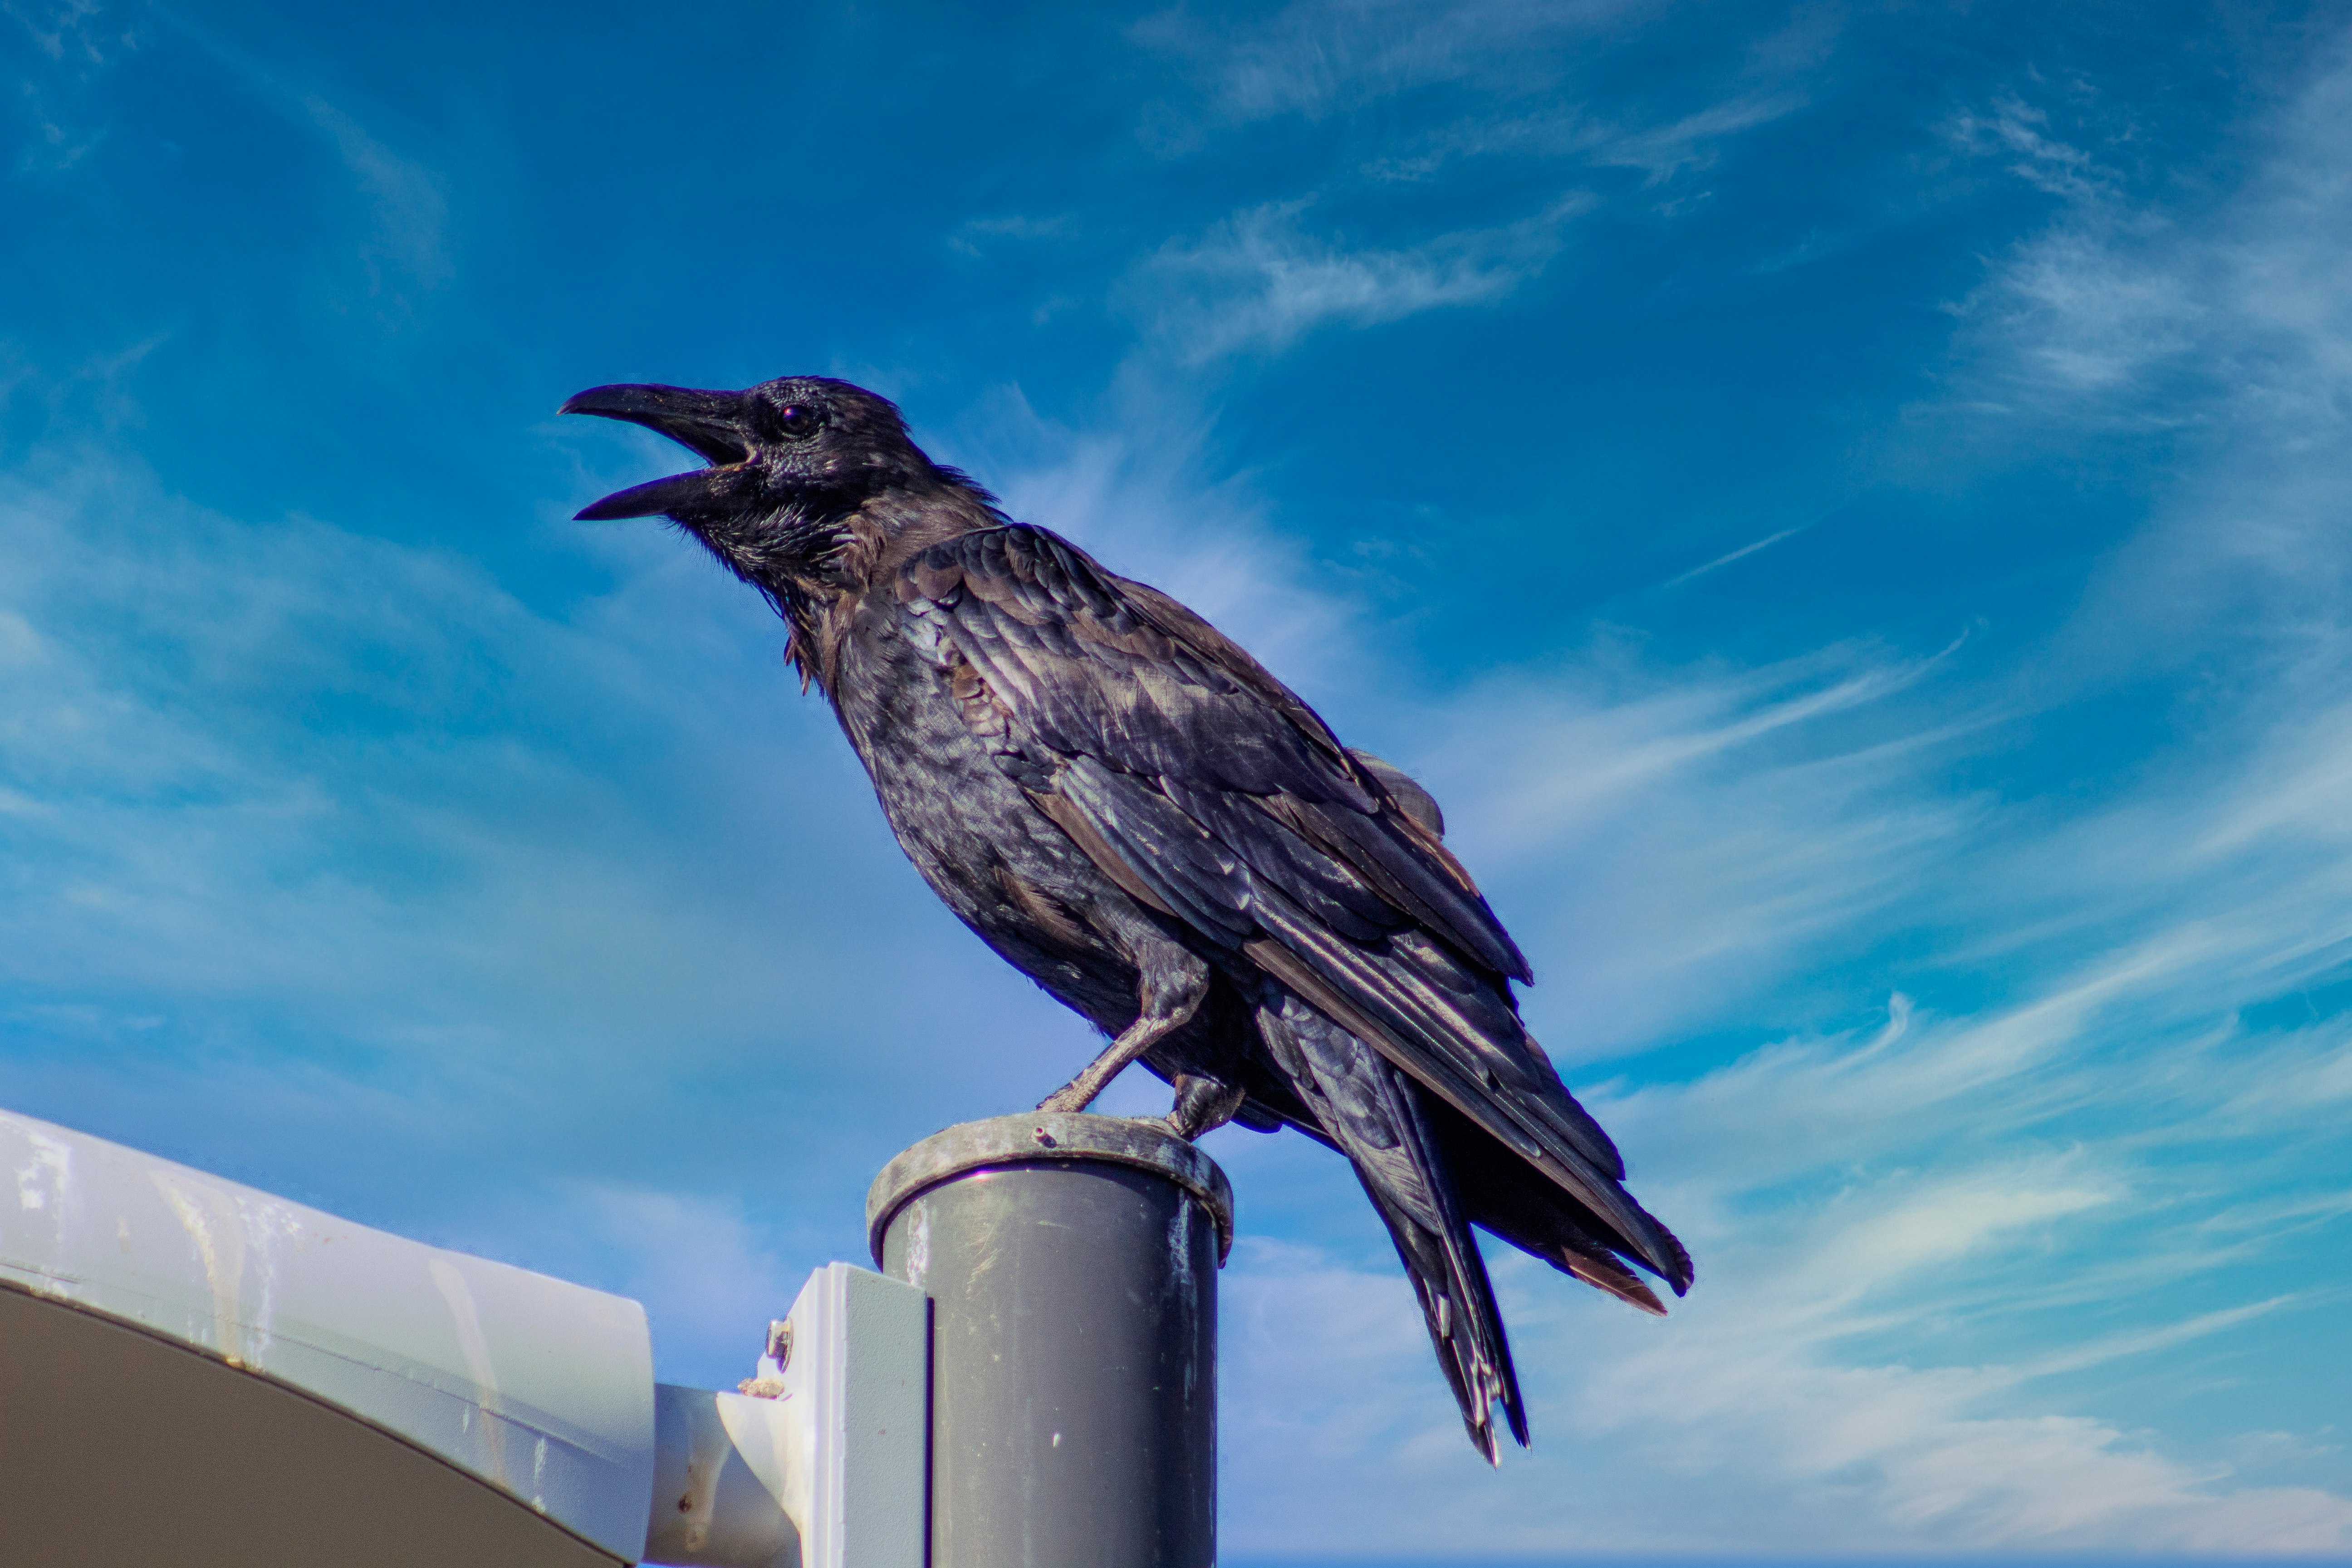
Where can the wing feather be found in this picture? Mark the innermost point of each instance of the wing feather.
(1207, 788)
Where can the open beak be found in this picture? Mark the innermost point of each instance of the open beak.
(709, 422)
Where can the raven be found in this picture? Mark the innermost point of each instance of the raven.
(1133, 812)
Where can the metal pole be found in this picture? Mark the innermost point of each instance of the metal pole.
(1072, 1265)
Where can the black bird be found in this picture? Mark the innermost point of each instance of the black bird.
(1134, 813)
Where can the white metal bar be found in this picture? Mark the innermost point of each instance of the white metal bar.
(538, 1388)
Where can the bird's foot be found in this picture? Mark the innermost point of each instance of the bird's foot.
(1202, 1104)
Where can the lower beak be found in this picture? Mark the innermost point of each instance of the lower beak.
(709, 423)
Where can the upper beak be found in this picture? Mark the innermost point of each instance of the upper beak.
(709, 422)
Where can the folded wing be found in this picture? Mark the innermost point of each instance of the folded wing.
(1209, 790)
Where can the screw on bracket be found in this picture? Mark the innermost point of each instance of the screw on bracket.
(780, 1351)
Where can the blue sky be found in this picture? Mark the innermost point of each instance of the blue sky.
(1846, 506)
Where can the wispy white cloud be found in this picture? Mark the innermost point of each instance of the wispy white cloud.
(1661, 152)
(1316, 57)
(1666, 842)
(1264, 276)
(293, 794)
(1933, 1253)
(1135, 488)
(1742, 554)
(974, 235)
(1258, 281)
(1942, 1187)
(2089, 321)
(2233, 329)
(66, 32)
(1899, 1250)
(1511, 70)
(2242, 305)
(2013, 129)
(407, 247)
(411, 212)
(75, 41)
(1718, 1434)
(1579, 135)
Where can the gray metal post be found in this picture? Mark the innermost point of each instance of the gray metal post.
(1072, 1265)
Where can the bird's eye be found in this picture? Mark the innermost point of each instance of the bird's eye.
(799, 421)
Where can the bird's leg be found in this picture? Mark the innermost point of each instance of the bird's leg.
(1168, 1006)
(1140, 1037)
(1203, 1104)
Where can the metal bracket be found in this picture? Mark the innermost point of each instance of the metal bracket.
(822, 1461)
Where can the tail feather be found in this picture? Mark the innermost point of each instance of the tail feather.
(1366, 997)
(1602, 1272)
(1545, 1220)
(1381, 1120)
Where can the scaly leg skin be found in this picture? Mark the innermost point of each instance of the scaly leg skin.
(1140, 1037)
(1202, 1105)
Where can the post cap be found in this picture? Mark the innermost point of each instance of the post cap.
(1044, 1137)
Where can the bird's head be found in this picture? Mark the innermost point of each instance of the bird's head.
(787, 460)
